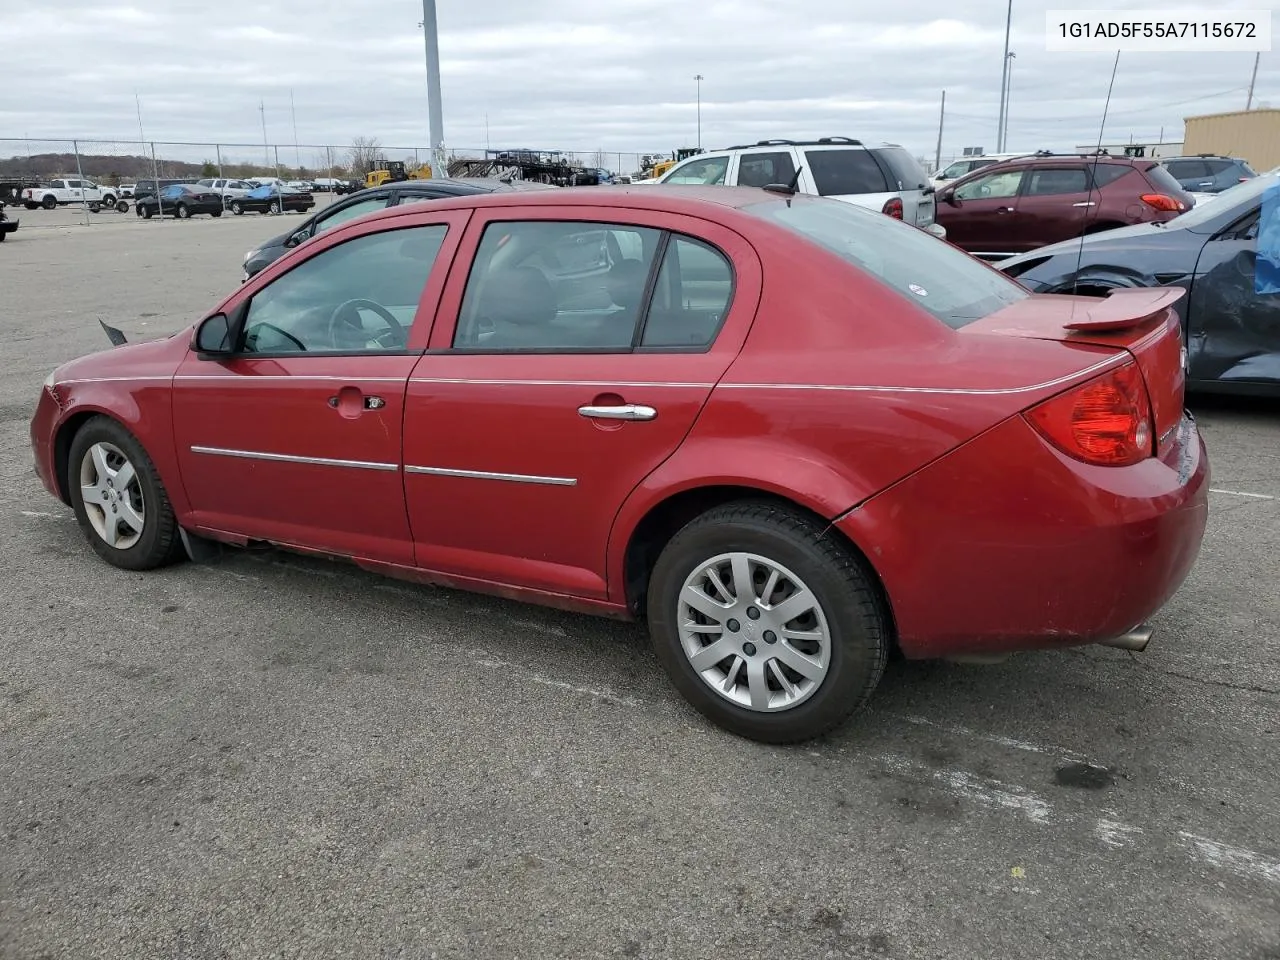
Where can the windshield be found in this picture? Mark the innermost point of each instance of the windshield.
(1250, 191)
(955, 287)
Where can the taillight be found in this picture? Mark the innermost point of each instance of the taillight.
(893, 208)
(1105, 421)
(1162, 202)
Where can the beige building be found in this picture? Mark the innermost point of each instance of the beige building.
(1251, 135)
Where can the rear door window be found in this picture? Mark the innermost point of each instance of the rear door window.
(691, 297)
(762, 169)
(1187, 169)
(838, 173)
(1053, 181)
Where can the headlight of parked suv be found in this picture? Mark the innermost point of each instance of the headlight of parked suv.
(50, 379)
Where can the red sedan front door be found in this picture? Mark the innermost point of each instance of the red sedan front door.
(296, 438)
(556, 383)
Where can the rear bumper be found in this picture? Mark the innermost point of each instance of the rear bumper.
(1007, 544)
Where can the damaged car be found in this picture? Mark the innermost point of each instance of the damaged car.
(1225, 254)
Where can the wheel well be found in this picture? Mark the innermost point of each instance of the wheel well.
(664, 520)
(62, 451)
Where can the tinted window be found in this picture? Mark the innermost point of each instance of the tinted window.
(762, 169)
(1162, 180)
(1187, 169)
(942, 279)
(704, 170)
(551, 286)
(903, 168)
(695, 285)
(1049, 181)
(840, 172)
(309, 308)
(992, 186)
(350, 213)
(1219, 166)
(1105, 173)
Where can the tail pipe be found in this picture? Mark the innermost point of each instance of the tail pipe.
(1135, 640)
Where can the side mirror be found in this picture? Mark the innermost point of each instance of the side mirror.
(213, 337)
(948, 196)
(298, 238)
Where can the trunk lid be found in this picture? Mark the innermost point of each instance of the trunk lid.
(1142, 322)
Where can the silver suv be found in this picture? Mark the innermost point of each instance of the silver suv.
(882, 177)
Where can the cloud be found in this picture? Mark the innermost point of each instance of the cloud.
(582, 75)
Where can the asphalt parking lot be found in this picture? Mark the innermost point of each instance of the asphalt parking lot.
(281, 757)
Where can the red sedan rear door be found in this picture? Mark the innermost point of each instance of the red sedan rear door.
(573, 351)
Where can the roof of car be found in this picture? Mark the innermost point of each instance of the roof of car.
(669, 198)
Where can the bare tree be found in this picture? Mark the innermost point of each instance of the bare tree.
(366, 154)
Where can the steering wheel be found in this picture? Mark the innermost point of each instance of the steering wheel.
(349, 314)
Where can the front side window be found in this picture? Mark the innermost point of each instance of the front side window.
(938, 277)
(709, 171)
(350, 213)
(358, 297)
(993, 186)
(556, 286)
(1051, 181)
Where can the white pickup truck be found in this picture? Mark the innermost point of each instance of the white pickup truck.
(52, 193)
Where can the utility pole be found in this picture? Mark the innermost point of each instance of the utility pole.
(435, 111)
(297, 154)
(1004, 79)
(1253, 79)
(266, 150)
(937, 157)
(698, 78)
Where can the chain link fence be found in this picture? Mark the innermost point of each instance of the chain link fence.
(103, 170)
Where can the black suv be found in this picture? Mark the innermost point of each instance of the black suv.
(369, 201)
(1205, 173)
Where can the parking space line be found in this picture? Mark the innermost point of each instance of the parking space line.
(1003, 741)
(1236, 860)
(1242, 493)
(600, 693)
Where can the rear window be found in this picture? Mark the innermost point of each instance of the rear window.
(841, 172)
(903, 167)
(1164, 181)
(1186, 169)
(944, 280)
(1105, 173)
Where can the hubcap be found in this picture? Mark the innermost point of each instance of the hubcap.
(112, 495)
(754, 632)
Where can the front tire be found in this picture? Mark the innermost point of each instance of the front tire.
(767, 624)
(237, 207)
(118, 498)
(147, 214)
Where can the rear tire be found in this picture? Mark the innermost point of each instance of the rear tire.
(275, 207)
(215, 213)
(101, 453)
(182, 212)
(49, 202)
(840, 634)
(122, 206)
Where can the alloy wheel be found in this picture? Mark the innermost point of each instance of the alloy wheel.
(754, 632)
(112, 495)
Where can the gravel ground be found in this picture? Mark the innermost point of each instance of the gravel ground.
(280, 757)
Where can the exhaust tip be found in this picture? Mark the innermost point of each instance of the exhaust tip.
(1135, 640)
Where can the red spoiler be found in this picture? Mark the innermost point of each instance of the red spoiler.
(1124, 308)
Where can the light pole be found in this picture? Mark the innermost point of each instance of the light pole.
(1004, 79)
(1008, 92)
(1254, 79)
(435, 112)
(698, 78)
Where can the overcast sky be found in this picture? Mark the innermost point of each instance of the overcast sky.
(587, 75)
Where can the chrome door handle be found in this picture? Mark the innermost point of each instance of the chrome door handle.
(1091, 203)
(626, 411)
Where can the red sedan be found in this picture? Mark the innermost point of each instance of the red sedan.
(794, 435)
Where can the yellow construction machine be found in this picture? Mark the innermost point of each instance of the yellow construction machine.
(393, 171)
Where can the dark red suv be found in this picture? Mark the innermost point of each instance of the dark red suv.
(1022, 204)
